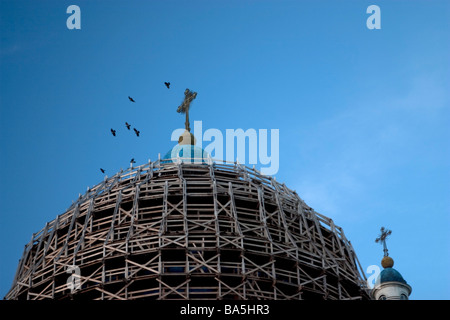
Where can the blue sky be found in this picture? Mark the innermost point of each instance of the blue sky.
(363, 115)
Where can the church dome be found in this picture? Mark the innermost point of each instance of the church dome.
(186, 227)
(180, 230)
(389, 275)
(390, 284)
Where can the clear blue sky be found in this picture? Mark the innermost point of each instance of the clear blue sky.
(364, 115)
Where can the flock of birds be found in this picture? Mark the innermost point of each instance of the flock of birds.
(136, 131)
(128, 127)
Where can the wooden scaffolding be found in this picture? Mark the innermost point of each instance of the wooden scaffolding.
(167, 230)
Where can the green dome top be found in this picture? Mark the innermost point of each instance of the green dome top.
(187, 153)
(389, 275)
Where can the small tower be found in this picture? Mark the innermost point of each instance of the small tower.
(390, 284)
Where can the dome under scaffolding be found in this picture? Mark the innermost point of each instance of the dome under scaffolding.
(189, 227)
(176, 230)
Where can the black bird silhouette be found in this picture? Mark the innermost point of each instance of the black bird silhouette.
(128, 125)
(167, 84)
(132, 161)
(131, 99)
(103, 171)
(113, 132)
(136, 131)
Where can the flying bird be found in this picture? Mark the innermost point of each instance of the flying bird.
(136, 131)
(113, 132)
(103, 171)
(131, 99)
(167, 84)
(128, 125)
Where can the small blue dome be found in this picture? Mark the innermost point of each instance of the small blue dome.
(388, 275)
(187, 153)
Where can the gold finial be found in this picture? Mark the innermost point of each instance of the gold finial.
(387, 262)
